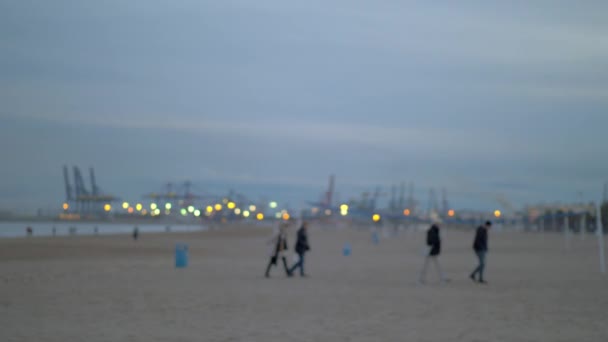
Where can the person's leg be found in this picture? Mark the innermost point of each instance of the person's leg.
(422, 275)
(302, 265)
(267, 274)
(285, 265)
(296, 265)
(438, 267)
(478, 266)
(482, 265)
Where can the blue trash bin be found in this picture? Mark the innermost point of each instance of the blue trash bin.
(346, 250)
(181, 255)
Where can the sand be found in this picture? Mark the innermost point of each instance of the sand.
(110, 288)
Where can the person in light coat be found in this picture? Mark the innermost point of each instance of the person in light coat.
(278, 248)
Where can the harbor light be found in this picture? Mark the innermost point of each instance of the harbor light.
(451, 213)
(376, 217)
(156, 211)
(252, 208)
(183, 212)
(246, 213)
(168, 206)
(277, 215)
(327, 212)
(260, 216)
(272, 204)
(237, 211)
(407, 212)
(197, 213)
(138, 207)
(218, 207)
(153, 206)
(344, 207)
(107, 207)
(209, 209)
(190, 209)
(66, 206)
(286, 216)
(231, 205)
(497, 213)
(125, 205)
(130, 210)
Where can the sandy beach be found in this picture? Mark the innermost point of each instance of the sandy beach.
(110, 288)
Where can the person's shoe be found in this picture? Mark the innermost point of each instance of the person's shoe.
(473, 278)
(267, 275)
(481, 281)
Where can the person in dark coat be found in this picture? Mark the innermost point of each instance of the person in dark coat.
(480, 246)
(278, 247)
(301, 248)
(433, 243)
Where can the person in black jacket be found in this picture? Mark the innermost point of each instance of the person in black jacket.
(433, 242)
(480, 246)
(301, 248)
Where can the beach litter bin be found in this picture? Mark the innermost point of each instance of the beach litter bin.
(181, 255)
(346, 250)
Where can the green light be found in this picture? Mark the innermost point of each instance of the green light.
(168, 206)
(184, 212)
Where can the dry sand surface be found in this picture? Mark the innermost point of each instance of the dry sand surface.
(110, 288)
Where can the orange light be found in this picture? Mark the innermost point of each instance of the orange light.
(130, 210)
(407, 212)
(66, 206)
(497, 213)
(285, 216)
(451, 213)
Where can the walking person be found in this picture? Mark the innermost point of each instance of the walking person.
(433, 242)
(480, 246)
(301, 248)
(279, 246)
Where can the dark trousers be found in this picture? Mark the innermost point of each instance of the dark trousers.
(273, 261)
(299, 264)
(481, 256)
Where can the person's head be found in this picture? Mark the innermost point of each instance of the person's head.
(435, 225)
(488, 224)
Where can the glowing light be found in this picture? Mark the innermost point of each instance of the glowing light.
(252, 208)
(156, 211)
(237, 211)
(277, 215)
(144, 212)
(231, 205)
(138, 206)
(451, 213)
(259, 216)
(107, 207)
(168, 206)
(218, 207)
(286, 216)
(190, 209)
(66, 206)
(246, 213)
(197, 213)
(344, 207)
(376, 218)
(130, 210)
(406, 212)
(497, 213)
(225, 200)
(314, 210)
(153, 206)
(327, 212)
(343, 212)
(209, 209)
(272, 204)
(183, 212)
(125, 205)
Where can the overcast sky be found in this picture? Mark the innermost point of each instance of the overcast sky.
(485, 99)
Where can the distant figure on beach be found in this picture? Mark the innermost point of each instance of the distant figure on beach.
(135, 233)
(279, 246)
(433, 243)
(480, 246)
(301, 248)
(29, 231)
